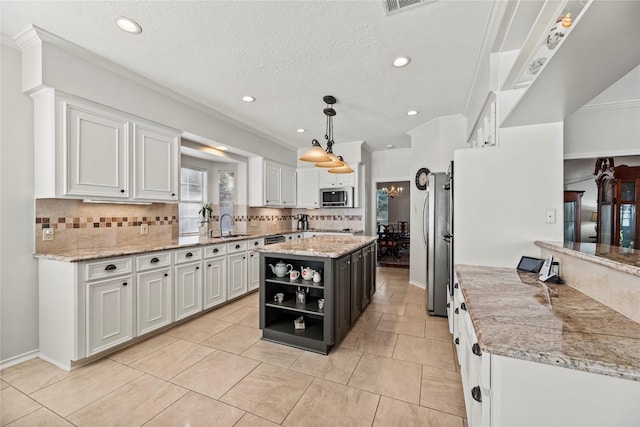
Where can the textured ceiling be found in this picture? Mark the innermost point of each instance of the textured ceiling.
(287, 54)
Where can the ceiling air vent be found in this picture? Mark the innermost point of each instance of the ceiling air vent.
(395, 6)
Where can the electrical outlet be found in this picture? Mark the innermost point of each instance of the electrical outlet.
(551, 216)
(47, 234)
(254, 222)
(144, 228)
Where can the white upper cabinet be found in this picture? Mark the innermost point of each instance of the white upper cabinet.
(87, 150)
(271, 184)
(330, 180)
(308, 190)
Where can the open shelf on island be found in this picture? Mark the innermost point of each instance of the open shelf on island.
(298, 282)
(314, 328)
(311, 307)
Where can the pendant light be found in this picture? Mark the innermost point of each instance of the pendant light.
(326, 158)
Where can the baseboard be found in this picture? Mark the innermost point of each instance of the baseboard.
(418, 284)
(16, 360)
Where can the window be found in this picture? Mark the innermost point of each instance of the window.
(382, 206)
(192, 196)
(225, 198)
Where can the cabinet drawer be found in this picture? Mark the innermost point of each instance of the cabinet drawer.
(155, 260)
(234, 247)
(107, 268)
(186, 255)
(254, 243)
(215, 250)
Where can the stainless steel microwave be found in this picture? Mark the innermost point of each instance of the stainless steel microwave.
(336, 197)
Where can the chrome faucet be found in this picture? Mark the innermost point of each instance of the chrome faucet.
(221, 218)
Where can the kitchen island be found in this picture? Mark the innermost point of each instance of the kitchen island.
(533, 353)
(309, 312)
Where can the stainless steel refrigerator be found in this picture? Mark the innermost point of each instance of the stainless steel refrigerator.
(436, 236)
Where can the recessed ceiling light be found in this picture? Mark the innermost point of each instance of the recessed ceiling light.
(412, 113)
(300, 130)
(221, 148)
(390, 145)
(248, 98)
(401, 61)
(128, 25)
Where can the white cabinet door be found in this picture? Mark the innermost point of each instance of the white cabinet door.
(154, 300)
(109, 313)
(155, 162)
(272, 185)
(188, 298)
(215, 281)
(330, 180)
(326, 179)
(308, 189)
(97, 153)
(237, 271)
(254, 271)
(345, 179)
(288, 177)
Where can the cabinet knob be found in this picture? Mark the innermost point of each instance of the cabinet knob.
(448, 305)
(455, 286)
(166, 274)
(198, 268)
(256, 243)
(457, 310)
(244, 257)
(216, 250)
(122, 191)
(208, 265)
(237, 246)
(125, 284)
(189, 255)
(463, 306)
(154, 260)
(173, 194)
(457, 340)
(475, 349)
(476, 394)
(110, 267)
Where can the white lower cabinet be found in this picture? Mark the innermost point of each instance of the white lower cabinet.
(215, 281)
(153, 299)
(188, 289)
(237, 281)
(109, 313)
(253, 265)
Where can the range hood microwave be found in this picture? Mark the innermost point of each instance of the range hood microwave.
(336, 197)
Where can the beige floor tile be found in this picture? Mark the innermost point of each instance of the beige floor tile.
(329, 404)
(394, 413)
(216, 374)
(442, 390)
(401, 325)
(130, 405)
(33, 375)
(434, 353)
(370, 341)
(417, 310)
(198, 330)
(273, 353)
(403, 296)
(41, 418)
(172, 359)
(382, 294)
(234, 339)
(388, 377)
(142, 349)
(268, 391)
(15, 405)
(250, 420)
(337, 366)
(437, 328)
(369, 319)
(193, 409)
(247, 316)
(220, 312)
(251, 300)
(3, 385)
(388, 307)
(90, 384)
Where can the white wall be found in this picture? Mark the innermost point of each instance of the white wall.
(388, 165)
(501, 196)
(18, 269)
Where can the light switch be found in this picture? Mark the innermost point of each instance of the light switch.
(47, 234)
(144, 228)
(551, 216)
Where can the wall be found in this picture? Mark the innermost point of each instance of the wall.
(432, 146)
(388, 165)
(501, 196)
(18, 269)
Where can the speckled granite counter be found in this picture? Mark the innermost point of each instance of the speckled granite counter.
(622, 259)
(77, 255)
(516, 315)
(320, 246)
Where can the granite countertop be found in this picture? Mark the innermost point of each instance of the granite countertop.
(320, 246)
(77, 255)
(626, 260)
(516, 315)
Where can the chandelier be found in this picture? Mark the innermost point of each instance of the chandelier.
(393, 192)
(325, 158)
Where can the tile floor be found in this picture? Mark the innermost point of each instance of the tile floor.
(396, 367)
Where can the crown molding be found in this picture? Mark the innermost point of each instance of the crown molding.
(34, 34)
(608, 106)
(8, 41)
(437, 119)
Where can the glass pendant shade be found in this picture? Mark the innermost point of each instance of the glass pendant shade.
(315, 154)
(345, 168)
(333, 163)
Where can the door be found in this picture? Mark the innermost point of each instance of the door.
(254, 271)
(307, 189)
(272, 185)
(109, 318)
(356, 285)
(237, 283)
(215, 281)
(188, 298)
(154, 300)
(155, 160)
(288, 187)
(342, 298)
(97, 153)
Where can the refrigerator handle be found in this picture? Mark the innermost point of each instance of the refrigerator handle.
(425, 218)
